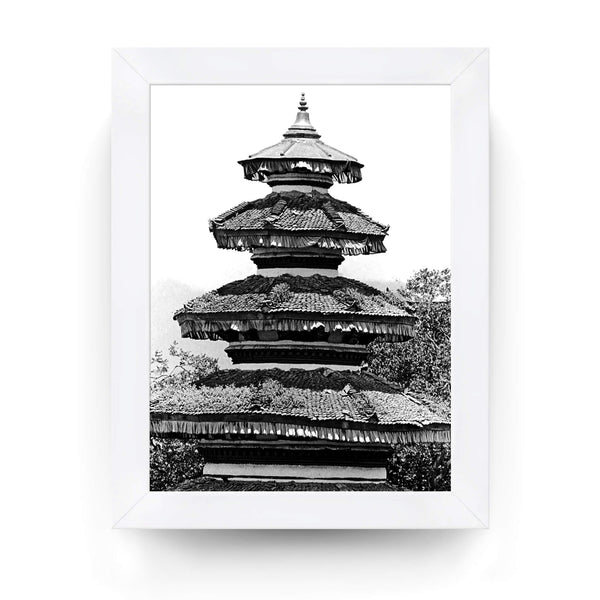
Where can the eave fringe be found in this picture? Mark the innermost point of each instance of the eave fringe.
(248, 428)
(204, 327)
(258, 169)
(233, 240)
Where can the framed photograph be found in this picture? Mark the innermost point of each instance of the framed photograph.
(300, 288)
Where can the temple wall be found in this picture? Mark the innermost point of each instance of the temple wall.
(299, 188)
(288, 366)
(302, 272)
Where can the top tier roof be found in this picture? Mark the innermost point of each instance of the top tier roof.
(301, 150)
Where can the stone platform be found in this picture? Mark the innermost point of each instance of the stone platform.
(286, 472)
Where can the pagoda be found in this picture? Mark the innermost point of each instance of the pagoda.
(299, 404)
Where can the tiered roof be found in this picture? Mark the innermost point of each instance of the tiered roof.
(301, 150)
(316, 404)
(289, 316)
(294, 303)
(299, 220)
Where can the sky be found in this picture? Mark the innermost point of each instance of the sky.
(198, 133)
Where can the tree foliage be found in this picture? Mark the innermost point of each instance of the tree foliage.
(421, 365)
(421, 467)
(188, 368)
(173, 461)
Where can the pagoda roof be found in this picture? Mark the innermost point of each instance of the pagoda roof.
(319, 397)
(296, 220)
(302, 150)
(295, 303)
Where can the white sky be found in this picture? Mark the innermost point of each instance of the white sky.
(400, 133)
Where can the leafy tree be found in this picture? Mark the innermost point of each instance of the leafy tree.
(173, 461)
(421, 365)
(189, 367)
(428, 285)
(421, 467)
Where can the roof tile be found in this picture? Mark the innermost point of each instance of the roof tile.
(298, 211)
(292, 293)
(315, 395)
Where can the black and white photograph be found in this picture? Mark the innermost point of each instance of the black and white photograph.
(301, 293)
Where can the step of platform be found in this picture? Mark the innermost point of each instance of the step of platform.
(266, 472)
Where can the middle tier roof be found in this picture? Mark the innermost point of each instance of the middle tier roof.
(294, 303)
(295, 219)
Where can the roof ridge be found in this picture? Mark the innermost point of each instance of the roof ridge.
(333, 215)
(227, 214)
(290, 144)
(321, 142)
(395, 386)
(338, 282)
(358, 211)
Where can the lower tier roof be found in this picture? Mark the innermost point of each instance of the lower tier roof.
(184, 426)
(320, 397)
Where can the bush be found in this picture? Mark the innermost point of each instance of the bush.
(421, 467)
(172, 461)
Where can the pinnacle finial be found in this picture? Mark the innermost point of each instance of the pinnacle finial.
(302, 127)
(303, 106)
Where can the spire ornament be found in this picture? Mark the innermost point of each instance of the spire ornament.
(303, 104)
(302, 127)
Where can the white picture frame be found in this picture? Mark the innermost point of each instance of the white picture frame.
(135, 70)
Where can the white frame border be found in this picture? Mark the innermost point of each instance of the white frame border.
(466, 71)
